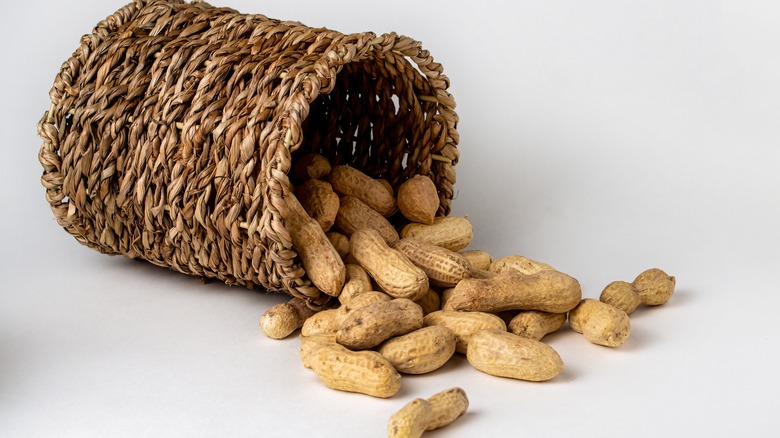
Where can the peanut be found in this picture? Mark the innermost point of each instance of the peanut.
(464, 324)
(535, 324)
(654, 286)
(519, 263)
(453, 233)
(340, 242)
(369, 326)
(325, 321)
(442, 266)
(322, 263)
(420, 415)
(311, 166)
(365, 372)
(503, 354)
(352, 182)
(357, 282)
(418, 199)
(420, 351)
(548, 291)
(320, 202)
(478, 259)
(430, 302)
(362, 300)
(600, 323)
(281, 320)
(622, 295)
(392, 270)
(411, 420)
(447, 406)
(353, 215)
(309, 343)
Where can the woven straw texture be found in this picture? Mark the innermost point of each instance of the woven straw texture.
(174, 125)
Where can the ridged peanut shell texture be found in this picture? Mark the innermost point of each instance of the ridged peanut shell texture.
(281, 320)
(548, 291)
(535, 324)
(442, 266)
(353, 214)
(320, 202)
(322, 263)
(519, 263)
(420, 351)
(464, 324)
(418, 199)
(452, 232)
(349, 181)
(655, 287)
(600, 323)
(447, 406)
(391, 270)
(371, 325)
(503, 354)
(410, 421)
(365, 372)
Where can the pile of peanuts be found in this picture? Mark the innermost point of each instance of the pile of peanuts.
(406, 303)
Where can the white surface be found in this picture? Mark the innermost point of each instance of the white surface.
(603, 137)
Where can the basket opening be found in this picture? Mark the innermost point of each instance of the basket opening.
(373, 119)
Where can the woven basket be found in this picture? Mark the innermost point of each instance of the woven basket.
(173, 128)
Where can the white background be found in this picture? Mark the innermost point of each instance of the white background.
(603, 137)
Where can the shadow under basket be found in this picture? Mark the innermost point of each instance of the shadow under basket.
(174, 126)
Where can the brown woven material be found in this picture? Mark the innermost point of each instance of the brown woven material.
(173, 128)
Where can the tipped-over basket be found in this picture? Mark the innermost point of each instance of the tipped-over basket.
(174, 125)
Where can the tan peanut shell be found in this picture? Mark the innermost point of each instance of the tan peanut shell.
(622, 295)
(430, 302)
(503, 354)
(600, 323)
(481, 274)
(447, 406)
(320, 202)
(365, 372)
(535, 324)
(548, 291)
(418, 199)
(281, 320)
(353, 215)
(362, 300)
(387, 185)
(453, 232)
(357, 282)
(371, 325)
(420, 351)
(311, 166)
(340, 242)
(478, 258)
(519, 263)
(655, 287)
(445, 296)
(411, 420)
(325, 321)
(464, 324)
(352, 182)
(392, 270)
(442, 266)
(308, 343)
(322, 263)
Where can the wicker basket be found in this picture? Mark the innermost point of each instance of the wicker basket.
(173, 128)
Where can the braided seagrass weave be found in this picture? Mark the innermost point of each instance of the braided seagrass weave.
(174, 125)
